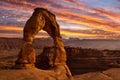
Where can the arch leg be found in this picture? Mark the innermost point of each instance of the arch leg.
(27, 54)
(53, 30)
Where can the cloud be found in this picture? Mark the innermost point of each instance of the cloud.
(118, 0)
(89, 21)
(72, 1)
(73, 14)
(94, 34)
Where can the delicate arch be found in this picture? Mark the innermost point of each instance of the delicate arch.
(41, 19)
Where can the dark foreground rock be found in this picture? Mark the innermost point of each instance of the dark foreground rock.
(82, 60)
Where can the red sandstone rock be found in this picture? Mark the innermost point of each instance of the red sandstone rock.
(42, 19)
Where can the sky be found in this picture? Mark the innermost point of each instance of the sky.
(83, 19)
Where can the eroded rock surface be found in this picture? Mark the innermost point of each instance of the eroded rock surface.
(37, 74)
(32, 74)
(110, 74)
(81, 60)
(42, 19)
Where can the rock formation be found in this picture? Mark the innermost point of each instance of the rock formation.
(81, 60)
(77, 63)
(42, 19)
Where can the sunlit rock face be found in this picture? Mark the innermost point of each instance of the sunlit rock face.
(43, 19)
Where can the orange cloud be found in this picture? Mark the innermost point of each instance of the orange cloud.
(11, 28)
(101, 34)
(78, 13)
(90, 21)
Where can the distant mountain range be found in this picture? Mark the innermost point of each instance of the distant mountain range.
(15, 43)
(100, 44)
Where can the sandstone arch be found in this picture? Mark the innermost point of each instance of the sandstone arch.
(41, 19)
